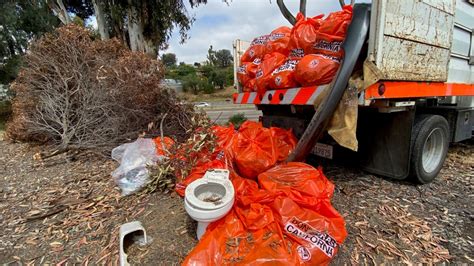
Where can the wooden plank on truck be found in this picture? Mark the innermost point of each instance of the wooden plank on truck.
(411, 40)
(409, 60)
(443, 5)
(420, 22)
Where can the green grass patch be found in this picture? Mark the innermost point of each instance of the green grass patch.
(219, 95)
(237, 119)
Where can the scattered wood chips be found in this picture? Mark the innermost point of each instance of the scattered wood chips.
(69, 212)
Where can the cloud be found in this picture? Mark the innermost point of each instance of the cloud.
(219, 24)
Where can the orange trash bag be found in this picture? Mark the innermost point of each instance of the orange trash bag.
(257, 49)
(167, 143)
(229, 241)
(278, 40)
(332, 33)
(336, 23)
(303, 35)
(253, 150)
(316, 233)
(302, 204)
(330, 45)
(246, 72)
(285, 142)
(250, 86)
(315, 69)
(301, 182)
(224, 135)
(242, 75)
(247, 191)
(265, 69)
(283, 76)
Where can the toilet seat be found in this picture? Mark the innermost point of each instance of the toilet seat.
(197, 203)
(214, 182)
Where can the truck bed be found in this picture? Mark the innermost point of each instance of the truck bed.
(426, 40)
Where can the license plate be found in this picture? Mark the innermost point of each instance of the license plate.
(323, 150)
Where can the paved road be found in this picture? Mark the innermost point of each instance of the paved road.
(222, 111)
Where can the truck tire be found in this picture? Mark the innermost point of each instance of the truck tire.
(429, 146)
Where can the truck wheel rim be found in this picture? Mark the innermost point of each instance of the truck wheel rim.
(433, 150)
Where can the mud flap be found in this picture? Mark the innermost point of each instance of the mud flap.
(385, 141)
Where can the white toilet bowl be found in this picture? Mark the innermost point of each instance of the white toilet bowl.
(209, 198)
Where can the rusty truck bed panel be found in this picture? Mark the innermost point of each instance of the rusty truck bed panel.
(411, 40)
(408, 60)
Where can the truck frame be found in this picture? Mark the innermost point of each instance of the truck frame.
(417, 64)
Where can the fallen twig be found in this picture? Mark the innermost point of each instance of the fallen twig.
(47, 214)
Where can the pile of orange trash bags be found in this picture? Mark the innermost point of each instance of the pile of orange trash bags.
(308, 54)
(282, 212)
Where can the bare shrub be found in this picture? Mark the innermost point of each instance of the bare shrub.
(78, 93)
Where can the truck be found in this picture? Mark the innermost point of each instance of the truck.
(415, 61)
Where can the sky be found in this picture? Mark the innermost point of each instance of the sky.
(219, 24)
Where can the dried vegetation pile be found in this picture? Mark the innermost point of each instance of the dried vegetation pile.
(76, 92)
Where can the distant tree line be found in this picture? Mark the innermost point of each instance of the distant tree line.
(215, 73)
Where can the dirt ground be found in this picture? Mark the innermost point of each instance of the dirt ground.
(68, 211)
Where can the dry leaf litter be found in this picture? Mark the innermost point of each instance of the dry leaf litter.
(67, 212)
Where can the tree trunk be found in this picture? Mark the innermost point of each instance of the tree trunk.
(135, 32)
(135, 29)
(150, 49)
(100, 17)
(60, 11)
(119, 31)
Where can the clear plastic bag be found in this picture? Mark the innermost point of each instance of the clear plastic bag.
(132, 173)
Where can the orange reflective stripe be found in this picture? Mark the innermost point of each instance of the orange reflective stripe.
(394, 89)
(295, 96)
(303, 95)
(246, 97)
